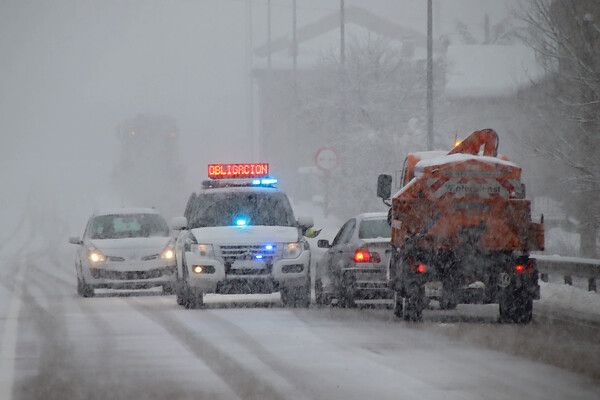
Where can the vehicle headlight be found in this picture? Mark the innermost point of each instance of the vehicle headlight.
(168, 253)
(96, 256)
(203, 250)
(292, 250)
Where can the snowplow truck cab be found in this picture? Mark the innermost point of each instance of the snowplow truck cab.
(461, 221)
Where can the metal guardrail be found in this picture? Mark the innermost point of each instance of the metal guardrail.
(569, 267)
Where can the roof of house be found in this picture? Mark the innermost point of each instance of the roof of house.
(323, 35)
(490, 70)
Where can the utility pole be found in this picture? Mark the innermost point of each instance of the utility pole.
(251, 132)
(342, 33)
(294, 38)
(269, 34)
(429, 75)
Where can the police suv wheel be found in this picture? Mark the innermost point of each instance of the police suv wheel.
(296, 296)
(193, 298)
(83, 289)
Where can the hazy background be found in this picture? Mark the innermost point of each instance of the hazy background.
(71, 70)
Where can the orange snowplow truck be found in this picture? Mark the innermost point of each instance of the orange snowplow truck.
(461, 219)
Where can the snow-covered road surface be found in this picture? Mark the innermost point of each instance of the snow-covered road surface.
(145, 346)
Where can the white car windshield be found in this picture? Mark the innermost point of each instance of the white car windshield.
(128, 226)
(253, 208)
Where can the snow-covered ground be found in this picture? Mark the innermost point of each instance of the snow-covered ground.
(143, 345)
(575, 299)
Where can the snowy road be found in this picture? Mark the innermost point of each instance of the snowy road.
(66, 347)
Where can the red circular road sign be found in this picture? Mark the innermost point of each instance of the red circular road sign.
(326, 159)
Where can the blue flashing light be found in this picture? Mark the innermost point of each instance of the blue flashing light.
(268, 181)
(264, 182)
(259, 256)
(241, 222)
(269, 247)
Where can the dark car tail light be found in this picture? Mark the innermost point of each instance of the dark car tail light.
(362, 255)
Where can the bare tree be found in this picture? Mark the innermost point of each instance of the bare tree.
(566, 36)
(370, 108)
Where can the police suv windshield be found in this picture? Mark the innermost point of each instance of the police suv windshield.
(254, 208)
(127, 226)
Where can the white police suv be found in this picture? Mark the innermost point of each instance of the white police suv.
(238, 236)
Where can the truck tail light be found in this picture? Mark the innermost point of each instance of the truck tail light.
(527, 267)
(519, 268)
(421, 268)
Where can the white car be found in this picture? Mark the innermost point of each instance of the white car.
(239, 238)
(124, 249)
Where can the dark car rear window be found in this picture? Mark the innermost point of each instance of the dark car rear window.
(374, 228)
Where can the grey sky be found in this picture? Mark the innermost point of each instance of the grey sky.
(71, 70)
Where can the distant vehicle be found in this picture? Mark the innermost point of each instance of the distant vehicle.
(355, 265)
(239, 235)
(129, 248)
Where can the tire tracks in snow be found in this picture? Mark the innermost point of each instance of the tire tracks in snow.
(245, 383)
(280, 367)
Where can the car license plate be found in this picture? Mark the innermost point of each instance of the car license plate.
(248, 264)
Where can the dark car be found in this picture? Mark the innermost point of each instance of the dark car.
(355, 265)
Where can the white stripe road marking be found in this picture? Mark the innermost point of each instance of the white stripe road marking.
(9, 338)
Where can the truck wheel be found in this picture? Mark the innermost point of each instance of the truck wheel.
(516, 306)
(414, 304)
(83, 289)
(398, 305)
(296, 296)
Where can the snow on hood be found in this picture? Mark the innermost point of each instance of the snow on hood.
(229, 235)
(155, 243)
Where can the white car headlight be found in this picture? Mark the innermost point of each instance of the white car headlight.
(292, 250)
(203, 250)
(95, 256)
(168, 253)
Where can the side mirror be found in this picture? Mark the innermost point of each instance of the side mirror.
(323, 243)
(384, 186)
(75, 240)
(305, 222)
(179, 223)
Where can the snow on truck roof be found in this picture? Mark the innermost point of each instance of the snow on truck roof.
(460, 157)
(126, 210)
